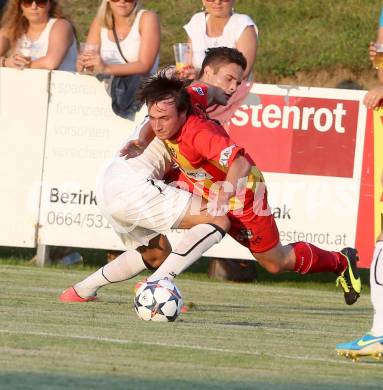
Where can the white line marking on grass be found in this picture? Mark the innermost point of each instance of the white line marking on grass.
(169, 345)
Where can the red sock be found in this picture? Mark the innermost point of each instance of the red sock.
(311, 259)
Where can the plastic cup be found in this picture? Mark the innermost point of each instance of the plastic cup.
(182, 55)
(378, 60)
(88, 48)
(25, 50)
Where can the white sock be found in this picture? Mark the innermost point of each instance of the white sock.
(124, 267)
(376, 284)
(192, 245)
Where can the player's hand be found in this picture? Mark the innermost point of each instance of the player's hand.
(132, 149)
(218, 203)
(372, 51)
(373, 97)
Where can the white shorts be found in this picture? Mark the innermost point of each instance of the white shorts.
(135, 202)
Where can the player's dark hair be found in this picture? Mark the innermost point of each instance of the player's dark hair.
(163, 86)
(215, 57)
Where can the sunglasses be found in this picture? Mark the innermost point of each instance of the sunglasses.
(39, 3)
(125, 1)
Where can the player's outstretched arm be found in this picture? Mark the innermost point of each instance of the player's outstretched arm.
(134, 148)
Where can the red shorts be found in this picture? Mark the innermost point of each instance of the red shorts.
(258, 233)
(255, 232)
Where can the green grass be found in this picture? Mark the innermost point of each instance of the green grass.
(295, 35)
(237, 337)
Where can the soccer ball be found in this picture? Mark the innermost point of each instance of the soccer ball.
(159, 300)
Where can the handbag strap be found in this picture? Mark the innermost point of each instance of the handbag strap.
(116, 39)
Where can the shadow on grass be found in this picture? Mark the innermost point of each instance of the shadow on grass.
(97, 258)
(27, 381)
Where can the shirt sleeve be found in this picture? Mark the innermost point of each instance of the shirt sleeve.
(199, 95)
(215, 145)
(381, 18)
(195, 24)
(241, 22)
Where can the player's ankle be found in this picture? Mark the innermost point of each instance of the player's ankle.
(83, 292)
(342, 263)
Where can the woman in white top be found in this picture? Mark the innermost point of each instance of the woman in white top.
(219, 26)
(35, 34)
(138, 33)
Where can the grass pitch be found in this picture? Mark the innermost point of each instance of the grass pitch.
(238, 336)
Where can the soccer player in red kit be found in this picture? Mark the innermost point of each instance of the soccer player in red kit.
(158, 209)
(203, 152)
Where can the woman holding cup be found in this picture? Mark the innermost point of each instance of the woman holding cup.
(35, 34)
(218, 25)
(137, 32)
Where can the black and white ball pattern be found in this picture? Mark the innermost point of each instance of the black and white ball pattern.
(159, 300)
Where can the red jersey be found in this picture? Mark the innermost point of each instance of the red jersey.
(199, 95)
(204, 151)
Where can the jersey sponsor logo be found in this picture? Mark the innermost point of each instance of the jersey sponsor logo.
(198, 175)
(225, 155)
(199, 90)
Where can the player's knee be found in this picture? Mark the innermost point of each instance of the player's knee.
(154, 261)
(155, 257)
(272, 267)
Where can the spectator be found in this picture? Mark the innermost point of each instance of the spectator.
(218, 25)
(123, 45)
(41, 27)
(138, 34)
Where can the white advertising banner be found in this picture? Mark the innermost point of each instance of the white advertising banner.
(82, 133)
(23, 115)
(307, 141)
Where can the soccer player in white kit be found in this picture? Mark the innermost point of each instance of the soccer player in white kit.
(139, 206)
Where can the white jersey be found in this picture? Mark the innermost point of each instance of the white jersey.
(135, 201)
